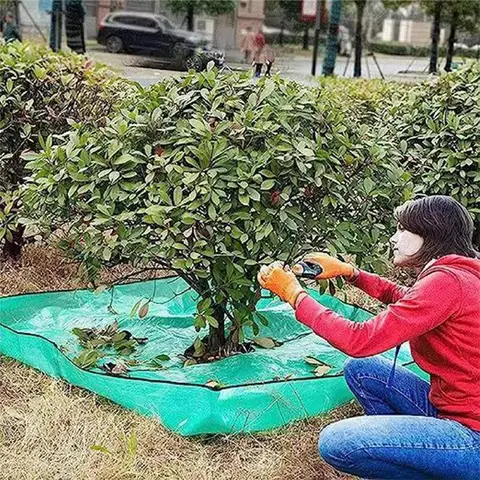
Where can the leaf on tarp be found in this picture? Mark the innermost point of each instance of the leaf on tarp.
(143, 312)
(314, 361)
(189, 362)
(118, 368)
(120, 336)
(87, 359)
(83, 334)
(213, 384)
(322, 370)
(135, 308)
(162, 358)
(265, 342)
(109, 329)
(100, 289)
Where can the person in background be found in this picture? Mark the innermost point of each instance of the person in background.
(248, 44)
(10, 29)
(413, 428)
(74, 25)
(258, 57)
(269, 58)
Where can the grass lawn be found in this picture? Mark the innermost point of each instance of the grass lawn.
(48, 427)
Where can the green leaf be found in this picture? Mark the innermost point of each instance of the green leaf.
(264, 342)
(132, 443)
(177, 195)
(267, 184)
(100, 448)
(212, 321)
(162, 358)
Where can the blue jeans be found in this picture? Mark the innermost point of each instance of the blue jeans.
(401, 436)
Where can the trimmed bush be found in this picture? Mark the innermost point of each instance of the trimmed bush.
(211, 176)
(41, 94)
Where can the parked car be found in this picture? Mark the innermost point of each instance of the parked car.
(154, 34)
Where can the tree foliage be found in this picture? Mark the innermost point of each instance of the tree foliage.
(198, 7)
(437, 136)
(213, 176)
(41, 93)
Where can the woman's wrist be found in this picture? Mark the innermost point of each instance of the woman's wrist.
(299, 298)
(353, 276)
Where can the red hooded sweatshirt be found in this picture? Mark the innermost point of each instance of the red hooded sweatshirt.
(439, 316)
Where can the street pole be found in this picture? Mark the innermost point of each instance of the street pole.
(56, 26)
(331, 48)
(318, 23)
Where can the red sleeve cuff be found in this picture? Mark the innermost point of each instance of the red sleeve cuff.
(307, 311)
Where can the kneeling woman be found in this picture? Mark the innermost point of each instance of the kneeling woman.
(413, 429)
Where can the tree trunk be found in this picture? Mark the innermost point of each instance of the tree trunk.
(13, 249)
(451, 41)
(190, 18)
(331, 49)
(305, 38)
(216, 336)
(357, 70)
(435, 37)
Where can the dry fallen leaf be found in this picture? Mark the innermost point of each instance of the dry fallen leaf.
(143, 312)
(322, 370)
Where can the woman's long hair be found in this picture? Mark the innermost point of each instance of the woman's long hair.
(444, 224)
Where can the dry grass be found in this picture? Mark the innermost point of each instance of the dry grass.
(47, 427)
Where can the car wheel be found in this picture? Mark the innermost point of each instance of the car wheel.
(114, 44)
(193, 62)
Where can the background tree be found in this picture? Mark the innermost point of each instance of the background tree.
(434, 7)
(287, 13)
(460, 15)
(195, 7)
(360, 8)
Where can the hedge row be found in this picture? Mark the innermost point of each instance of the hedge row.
(397, 48)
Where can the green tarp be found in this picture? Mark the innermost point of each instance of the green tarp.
(259, 391)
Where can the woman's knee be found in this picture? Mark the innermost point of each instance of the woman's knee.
(333, 443)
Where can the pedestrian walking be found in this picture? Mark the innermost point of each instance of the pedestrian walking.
(11, 31)
(248, 44)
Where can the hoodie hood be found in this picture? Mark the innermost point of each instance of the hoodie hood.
(454, 263)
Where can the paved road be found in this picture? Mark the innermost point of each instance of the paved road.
(148, 70)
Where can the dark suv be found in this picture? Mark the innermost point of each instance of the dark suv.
(154, 34)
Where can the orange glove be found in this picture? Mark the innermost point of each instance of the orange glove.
(280, 282)
(331, 266)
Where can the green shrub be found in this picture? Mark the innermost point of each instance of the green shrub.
(362, 101)
(436, 128)
(397, 48)
(211, 176)
(41, 94)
